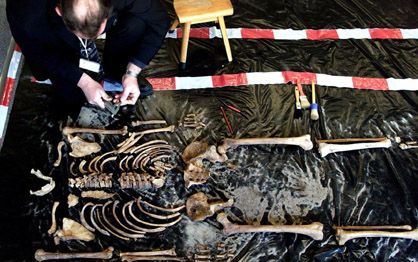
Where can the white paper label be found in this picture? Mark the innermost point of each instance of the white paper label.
(89, 65)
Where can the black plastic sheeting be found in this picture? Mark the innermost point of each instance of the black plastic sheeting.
(270, 184)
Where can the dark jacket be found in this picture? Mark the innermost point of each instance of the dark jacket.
(53, 52)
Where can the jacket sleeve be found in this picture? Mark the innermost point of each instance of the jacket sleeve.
(154, 15)
(34, 37)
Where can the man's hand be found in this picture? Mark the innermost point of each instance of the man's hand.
(93, 91)
(130, 85)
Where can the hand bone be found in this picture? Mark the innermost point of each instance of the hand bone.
(344, 235)
(313, 230)
(301, 141)
(198, 207)
(41, 255)
(326, 148)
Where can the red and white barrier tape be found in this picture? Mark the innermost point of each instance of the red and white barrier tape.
(264, 78)
(283, 77)
(307, 34)
(9, 88)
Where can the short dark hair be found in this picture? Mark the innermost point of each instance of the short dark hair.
(90, 24)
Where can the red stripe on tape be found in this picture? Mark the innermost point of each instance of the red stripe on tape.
(322, 34)
(370, 83)
(7, 92)
(17, 48)
(166, 83)
(304, 77)
(199, 32)
(229, 80)
(257, 33)
(385, 33)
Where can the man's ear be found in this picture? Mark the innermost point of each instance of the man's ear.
(57, 9)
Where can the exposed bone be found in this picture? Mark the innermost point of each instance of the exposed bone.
(126, 146)
(71, 230)
(198, 207)
(131, 213)
(53, 227)
(195, 175)
(168, 252)
(135, 180)
(166, 209)
(325, 148)
(161, 217)
(113, 158)
(95, 166)
(406, 146)
(313, 230)
(301, 141)
(157, 130)
(201, 150)
(402, 227)
(98, 194)
(83, 217)
(81, 167)
(117, 230)
(72, 200)
(92, 181)
(147, 230)
(59, 148)
(151, 258)
(81, 148)
(71, 169)
(139, 148)
(41, 255)
(71, 130)
(129, 139)
(46, 188)
(351, 140)
(118, 221)
(344, 235)
(94, 223)
(158, 182)
(148, 122)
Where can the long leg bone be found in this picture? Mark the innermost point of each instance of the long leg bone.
(53, 227)
(198, 207)
(151, 258)
(45, 189)
(351, 140)
(404, 146)
(344, 235)
(325, 148)
(59, 149)
(302, 141)
(313, 230)
(168, 252)
(41, 255)
(71, 130)
(402, 227)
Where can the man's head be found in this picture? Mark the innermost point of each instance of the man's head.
(85, 18)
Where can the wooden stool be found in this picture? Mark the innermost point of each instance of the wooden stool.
(191, 12)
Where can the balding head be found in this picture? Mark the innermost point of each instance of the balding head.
(85, 18)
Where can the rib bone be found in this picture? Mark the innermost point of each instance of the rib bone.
(41, 255)
(157, 130)
(313, 230)
(53, 227)
(325, 148)
(302, 141)
(344, 235)
(149, 122)
(71, 130)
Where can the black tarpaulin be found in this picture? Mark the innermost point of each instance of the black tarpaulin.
(269, 184)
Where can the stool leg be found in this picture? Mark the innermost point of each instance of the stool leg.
(185, 43)
(174, 25)
(225, 38)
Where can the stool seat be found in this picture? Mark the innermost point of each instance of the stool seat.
(191, 12)
(199, 10)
